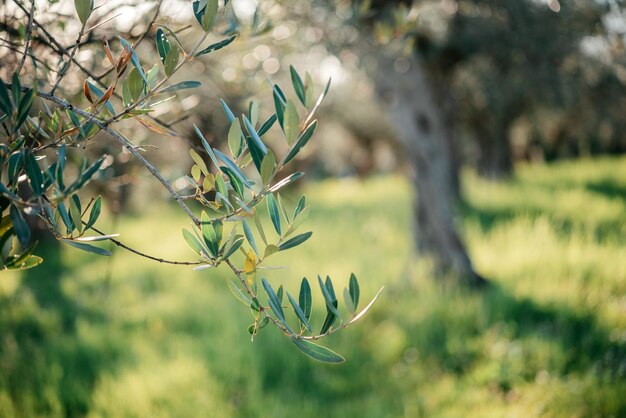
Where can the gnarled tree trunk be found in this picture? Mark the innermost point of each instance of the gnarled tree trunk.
(418, 109)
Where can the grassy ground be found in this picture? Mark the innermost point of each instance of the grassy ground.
(548, 339)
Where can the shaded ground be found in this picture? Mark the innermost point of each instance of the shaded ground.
(548, 339)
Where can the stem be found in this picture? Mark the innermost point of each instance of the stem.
(155, 89)
(139, 253)
(29, 30)
(126, 144)
(249, 291)
(68, 64)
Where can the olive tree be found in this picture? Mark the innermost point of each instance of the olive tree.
(45, 167)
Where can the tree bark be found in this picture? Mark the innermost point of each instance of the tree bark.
(418, 105)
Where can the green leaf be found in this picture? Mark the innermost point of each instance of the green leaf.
(317, 352)
(238, 292)
(193, 242)
(75, 121)
(269, 250)
(152, 75)
(235, 180)
(354, 290)
(199, 161)
(253, 112)
(279, 105)
(26, 263)
(87, 247)
(20, 226)
(282, 207)
(302, 141)
(299, 207)
(267, 167)
(83, 9)
(330, 314)
(227, 111)
(279, 294)
(171, 60)
(5, 101)
(199, 7)
(16, 161)
(181, 86)
(234, 138)
(135, 84)
(249, 236)
(7, 192)
(65, 217)
(209, 15)
(207, 147)
(272, 208)
(291, 123)
(163, 44)
(220, 186)
(295, 241)
(233, 167)
(195, 172)
(299, 313)
(263, 323)
(298, 85)
(299, 220)
(319, 102)
(256, 155)
(75, 212)
(273, 300)
(267, 125)
(34, 174)
(210, 235)
(230, 250)
(255, 305)
(216, 46)
(94, 214)
(86, 175)
(255, 145)
(23, 108)
(329, 295)
(127, 100)
(255, 136)
(304, 299)
(16, 87)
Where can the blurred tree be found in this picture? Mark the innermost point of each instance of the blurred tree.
(520, 56)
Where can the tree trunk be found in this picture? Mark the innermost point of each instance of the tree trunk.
(418, 111)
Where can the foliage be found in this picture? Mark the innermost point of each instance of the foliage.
(546, 341)
(45, 182)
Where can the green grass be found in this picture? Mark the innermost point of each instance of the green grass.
(548, 339)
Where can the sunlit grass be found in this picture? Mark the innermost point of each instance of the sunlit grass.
(150, 340)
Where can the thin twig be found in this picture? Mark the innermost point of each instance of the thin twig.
(67, 65)
(141, 254)
(29, 31)
(128, 145)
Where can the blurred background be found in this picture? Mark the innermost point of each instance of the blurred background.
(470, 158)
